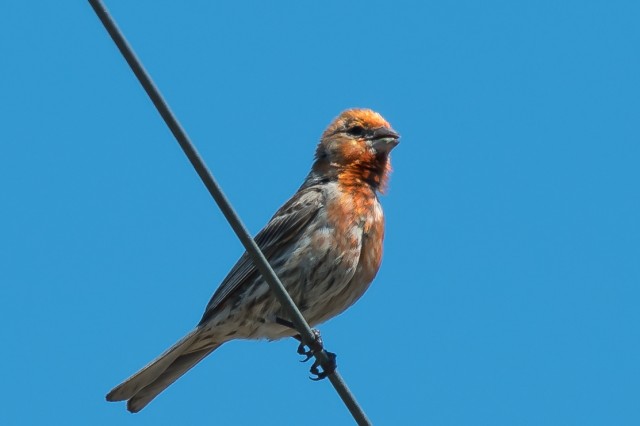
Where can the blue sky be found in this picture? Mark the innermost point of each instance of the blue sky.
(510, 285)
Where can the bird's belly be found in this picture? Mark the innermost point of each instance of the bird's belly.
(325, 273)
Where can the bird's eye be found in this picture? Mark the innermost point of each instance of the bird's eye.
(356, 130)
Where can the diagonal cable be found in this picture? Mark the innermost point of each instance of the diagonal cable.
(229, 213)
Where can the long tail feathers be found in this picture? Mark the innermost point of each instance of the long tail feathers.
(156, 376)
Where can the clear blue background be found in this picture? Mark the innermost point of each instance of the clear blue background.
(510, 286)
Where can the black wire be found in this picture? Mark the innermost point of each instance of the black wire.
(229, 213)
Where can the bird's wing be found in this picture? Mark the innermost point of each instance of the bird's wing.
(286, 225)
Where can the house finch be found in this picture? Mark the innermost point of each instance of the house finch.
(325, 245)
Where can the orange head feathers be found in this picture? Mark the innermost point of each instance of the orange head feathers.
(355, 149)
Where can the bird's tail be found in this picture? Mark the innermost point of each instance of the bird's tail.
(156, 376)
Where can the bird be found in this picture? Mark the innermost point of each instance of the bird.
(325, 244)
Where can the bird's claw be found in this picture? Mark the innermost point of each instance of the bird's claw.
(314, 348)
(308, 354)
(327, 369)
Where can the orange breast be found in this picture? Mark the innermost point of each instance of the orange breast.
(362, 227)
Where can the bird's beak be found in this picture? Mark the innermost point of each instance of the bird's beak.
(384, 140)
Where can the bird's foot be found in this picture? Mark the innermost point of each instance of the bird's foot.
(327, 369)
(314, 348)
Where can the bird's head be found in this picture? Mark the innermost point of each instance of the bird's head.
(355, 149)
